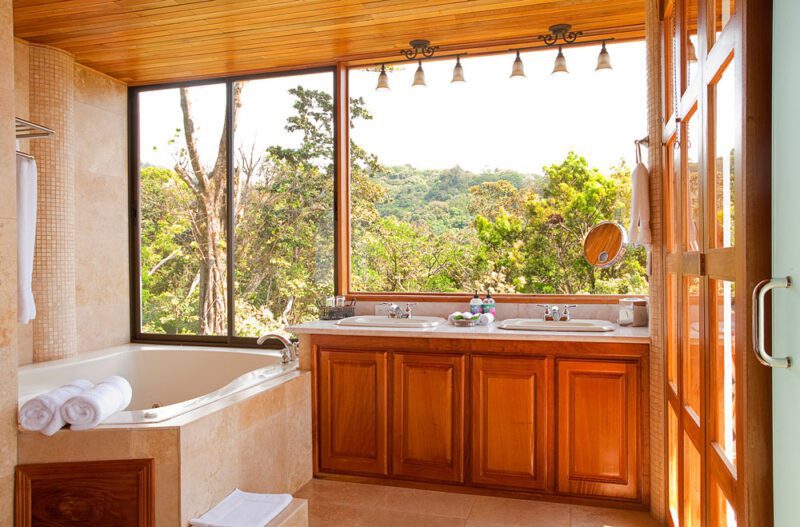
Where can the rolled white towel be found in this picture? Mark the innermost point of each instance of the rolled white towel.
(485, 319)
(43, 412)
(91, 407)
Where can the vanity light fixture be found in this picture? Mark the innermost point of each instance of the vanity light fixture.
(383, 80)
(560, 65)
(419, 77)
(603, 60)
(518, 68)
(458, 71)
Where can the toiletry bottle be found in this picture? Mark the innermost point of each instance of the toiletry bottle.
(489, 304)
(476, 305)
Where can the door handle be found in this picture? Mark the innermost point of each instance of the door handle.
(759, 293)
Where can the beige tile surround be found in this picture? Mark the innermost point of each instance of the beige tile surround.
(262, 444)
(8, 269)
(344, 504)
(100, 296)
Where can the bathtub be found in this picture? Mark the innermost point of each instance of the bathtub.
(210, 419)
(167, 381)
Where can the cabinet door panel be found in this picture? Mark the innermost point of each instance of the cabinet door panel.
(428, 408)
(597, 428)
(510, 418)
(352, 411)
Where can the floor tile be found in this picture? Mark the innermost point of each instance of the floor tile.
(505, 512)
(449, 504)
(351, 494)
(600, 517)
(328, 514)
(387, 518)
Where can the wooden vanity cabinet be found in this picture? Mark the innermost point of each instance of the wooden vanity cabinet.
(511, 415)
(557, 418)
(352, 409)
(428, 416)
(598, 428)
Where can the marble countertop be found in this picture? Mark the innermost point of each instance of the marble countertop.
(491, 332)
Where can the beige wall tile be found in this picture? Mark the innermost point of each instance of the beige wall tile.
(102, 91)
(8, 266)
(101, 326)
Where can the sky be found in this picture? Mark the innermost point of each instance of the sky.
(490, 121)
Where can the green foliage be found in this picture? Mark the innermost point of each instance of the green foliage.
(412, 230)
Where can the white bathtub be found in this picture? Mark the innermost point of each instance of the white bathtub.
(167, 381)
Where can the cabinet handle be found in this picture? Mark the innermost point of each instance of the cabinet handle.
(759, 293)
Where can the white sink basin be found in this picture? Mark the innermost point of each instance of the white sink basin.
(382, 321)
(530, 324)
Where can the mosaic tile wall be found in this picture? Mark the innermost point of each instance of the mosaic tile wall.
(52, 104)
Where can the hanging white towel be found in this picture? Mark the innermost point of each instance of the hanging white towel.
(26, 237)
(43, 412)
(244, 509)
(639, 232)
(93, 406)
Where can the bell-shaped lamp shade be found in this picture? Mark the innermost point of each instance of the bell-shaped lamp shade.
(419, 77)
(458, 72)
(560, 65)
(603, 60)
(691, 53)
(383, 80)
(518, 68)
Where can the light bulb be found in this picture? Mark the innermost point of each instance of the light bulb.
(458, 72)
(560, 65)
(383, 80)
(518, 68)
(419, 77)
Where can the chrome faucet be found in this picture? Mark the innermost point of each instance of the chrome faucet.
(395, 311)
(290, 348)
(556, 314)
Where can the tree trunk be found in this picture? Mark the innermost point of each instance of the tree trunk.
(209, 217)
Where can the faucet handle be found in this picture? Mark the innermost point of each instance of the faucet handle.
(407, 310)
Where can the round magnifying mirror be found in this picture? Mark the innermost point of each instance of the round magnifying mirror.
(605, 244)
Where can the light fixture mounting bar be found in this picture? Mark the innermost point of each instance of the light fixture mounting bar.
(562, 32)
(419, 48)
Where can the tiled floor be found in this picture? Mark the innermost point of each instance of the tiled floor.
(337, 503)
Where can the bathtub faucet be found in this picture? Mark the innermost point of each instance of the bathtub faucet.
(289, 351)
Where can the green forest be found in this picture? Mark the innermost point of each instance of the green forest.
(413, 230)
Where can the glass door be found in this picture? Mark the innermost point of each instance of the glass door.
(709, 266)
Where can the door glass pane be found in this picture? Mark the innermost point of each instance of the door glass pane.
(723, 11)
(722, 514)
(691, 184)
(691, 41)
(183, 181)
(724, 158)
(284, 200)
(691, 344)
(672, 166)
(672, 330)
(673, 463)
(692, 479)
(723, 342)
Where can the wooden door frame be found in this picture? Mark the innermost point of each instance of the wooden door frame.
(752, 61)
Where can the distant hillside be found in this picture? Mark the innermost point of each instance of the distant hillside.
(439, 198)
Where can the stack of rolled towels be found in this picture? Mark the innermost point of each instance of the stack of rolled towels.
(80, 404)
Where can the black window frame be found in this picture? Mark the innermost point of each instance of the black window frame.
(134, 201)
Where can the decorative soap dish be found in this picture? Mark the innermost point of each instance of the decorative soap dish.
(465, 322)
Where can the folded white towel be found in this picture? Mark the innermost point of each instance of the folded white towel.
(485, 319)
(26, 237)
(43, 412)
(244, 509)
(91, 407)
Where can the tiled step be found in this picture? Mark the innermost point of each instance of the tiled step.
(295, 515)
